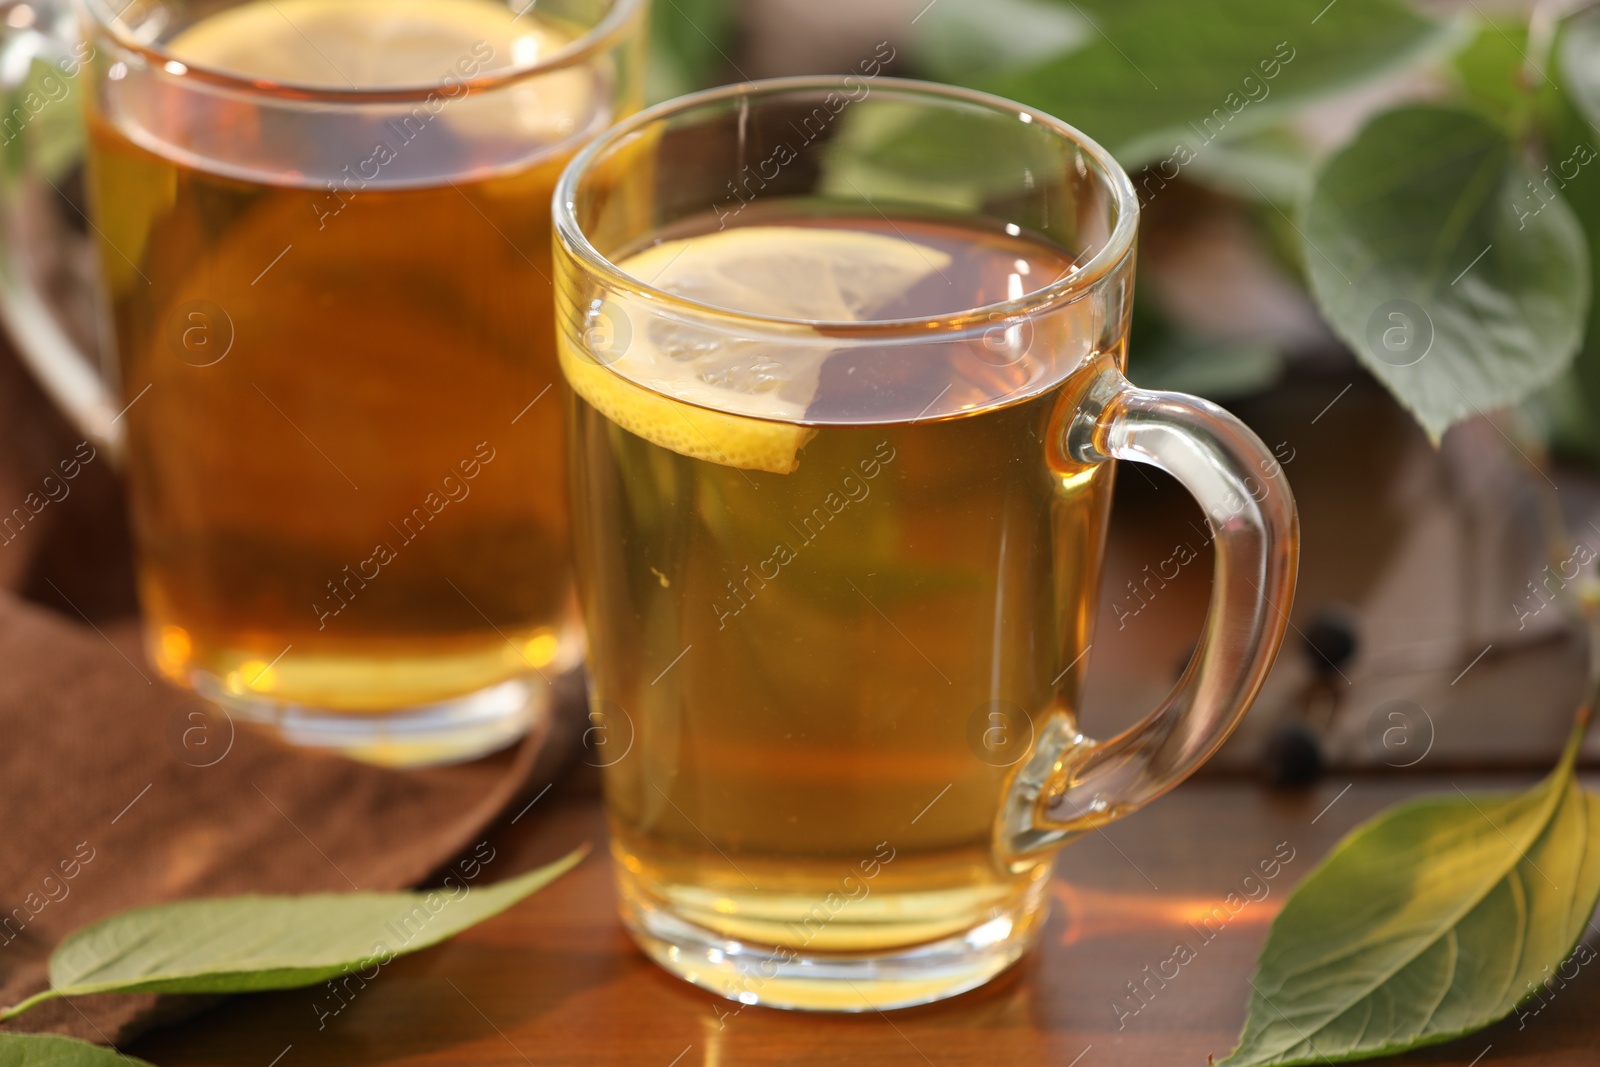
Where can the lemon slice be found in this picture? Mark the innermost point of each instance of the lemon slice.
(789, 272)
(383, 44)
(370, 44)
(655, 372)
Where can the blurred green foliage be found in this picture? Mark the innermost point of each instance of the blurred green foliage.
(1239, 96)
(690, 42)
(1142, 76)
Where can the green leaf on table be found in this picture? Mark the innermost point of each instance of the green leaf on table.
(1149, 75)
(52, 1050)
(250, 943)
(1433, 920)
(1431, 254)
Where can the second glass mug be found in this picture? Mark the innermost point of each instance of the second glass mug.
(839, 571)
(324, 236)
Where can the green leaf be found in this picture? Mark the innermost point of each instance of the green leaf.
(969, 37)
(1212, 368)
(1163, 355)
(44, 124)
(1274, 164)
(1432, 920)
(1432, 255)
(1152, 74)
(51, 1050)
(1579, 57)
(1489, 68)
(249, 943)
(893, 152)
(1571, 137)
(689, 42)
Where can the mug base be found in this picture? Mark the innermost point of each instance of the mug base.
(777, 977)
(449, 731)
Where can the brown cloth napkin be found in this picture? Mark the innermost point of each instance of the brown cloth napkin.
(110, 798)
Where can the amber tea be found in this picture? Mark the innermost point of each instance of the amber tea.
(828, 615)
(335, 339)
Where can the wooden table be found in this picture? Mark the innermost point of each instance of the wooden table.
(556, 981)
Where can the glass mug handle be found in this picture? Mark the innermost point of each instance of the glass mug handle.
(41, 60)
(1070, 785)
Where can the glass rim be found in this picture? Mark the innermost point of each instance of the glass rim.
(602, 35)
(1117, 245)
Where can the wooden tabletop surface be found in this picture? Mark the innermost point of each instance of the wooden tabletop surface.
(555, 981)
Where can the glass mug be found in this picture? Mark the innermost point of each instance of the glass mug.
(838, 518)
(324, 242)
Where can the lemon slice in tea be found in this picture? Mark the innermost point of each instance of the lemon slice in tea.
(385, 44)
(659, 374)
(367, 44)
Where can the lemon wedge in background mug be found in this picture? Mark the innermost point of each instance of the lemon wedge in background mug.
(374, 44)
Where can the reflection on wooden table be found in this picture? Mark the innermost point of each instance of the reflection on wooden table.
(556, 981)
